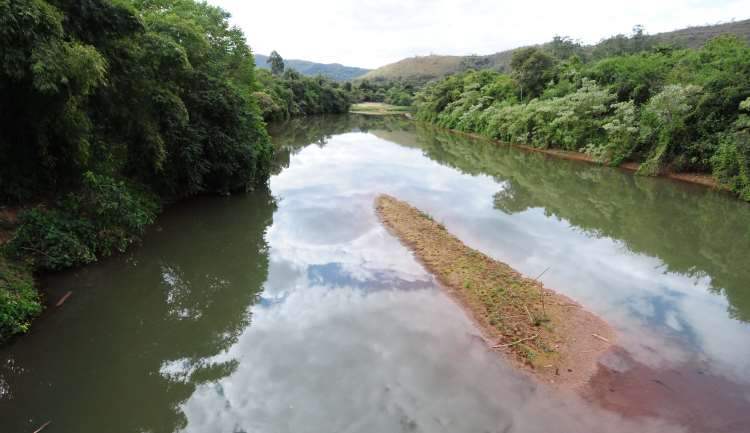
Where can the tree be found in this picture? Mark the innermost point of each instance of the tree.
(533, 69)
(277, 63)
(564, 47)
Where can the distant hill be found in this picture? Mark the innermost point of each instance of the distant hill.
(418, 68)
(695, 37)
(426, 68)
(334, 71)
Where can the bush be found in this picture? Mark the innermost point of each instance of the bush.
(622, 135)
(665, 108)
(664, 124)
(19, 300)
(103, 218)
(570, 122)
(731, 163)
(573, 121)
(292, 95)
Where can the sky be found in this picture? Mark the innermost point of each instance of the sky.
(372, 33)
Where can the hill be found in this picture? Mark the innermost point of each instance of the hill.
(425, 68)
(695, 37)
(334, 71)
(418, 68)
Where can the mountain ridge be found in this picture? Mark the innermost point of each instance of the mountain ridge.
(426, 68)
(334, 71)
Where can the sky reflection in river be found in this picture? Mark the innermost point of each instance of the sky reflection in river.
(631, 290)
(345, 360)
(401, 361)
(302, 314)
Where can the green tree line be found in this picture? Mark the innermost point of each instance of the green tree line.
(630, 101)
(394, 92)
(284, 93)
(110, 109)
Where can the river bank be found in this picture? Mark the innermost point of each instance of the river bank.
(543, 332)
(692, 178)
(380, 109)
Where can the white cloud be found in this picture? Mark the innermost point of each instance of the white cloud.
(371, 33)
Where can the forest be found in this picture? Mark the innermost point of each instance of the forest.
(629, 100)
(110, 109)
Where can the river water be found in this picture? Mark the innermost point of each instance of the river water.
(291, 309)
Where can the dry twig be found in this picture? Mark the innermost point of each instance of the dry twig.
(600, 337)
(43, 427)
(516, 342)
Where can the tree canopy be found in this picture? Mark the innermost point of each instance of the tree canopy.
(276, 62)
(155, 91)
(108, 109)
(666, 108)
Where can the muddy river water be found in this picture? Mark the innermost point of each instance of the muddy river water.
(291, 309)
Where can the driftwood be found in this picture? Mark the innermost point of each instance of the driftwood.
(42, 427)
(63, 299)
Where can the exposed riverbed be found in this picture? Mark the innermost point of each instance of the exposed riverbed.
(294, 310)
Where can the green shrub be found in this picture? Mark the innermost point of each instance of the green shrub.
(665, 108)
(51, 239)
(293, 94)
(570, 122)
(573, 121)
(104, 217)
(731, 162)
(664, 126)
(622, 135)
(19, 300)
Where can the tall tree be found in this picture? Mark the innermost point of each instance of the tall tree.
(277, 63)
(533, 68)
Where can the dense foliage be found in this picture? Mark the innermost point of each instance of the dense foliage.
(109, 108)
(153, 90)
(394, 92)
(284, 93)
(104, 217)
(18, 299)
(669, 109)
(290, 94)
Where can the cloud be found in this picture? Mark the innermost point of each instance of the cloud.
(372, 33)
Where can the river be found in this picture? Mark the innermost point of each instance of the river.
(291, 309)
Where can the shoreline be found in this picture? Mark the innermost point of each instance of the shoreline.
(700, 179)
(380, 109)
(541, 332)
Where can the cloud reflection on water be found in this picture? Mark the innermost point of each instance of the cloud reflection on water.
(328, 352)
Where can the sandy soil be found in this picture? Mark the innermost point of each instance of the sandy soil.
(562, 348)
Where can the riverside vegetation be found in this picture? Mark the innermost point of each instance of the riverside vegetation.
(678, 110)
(110, 109)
